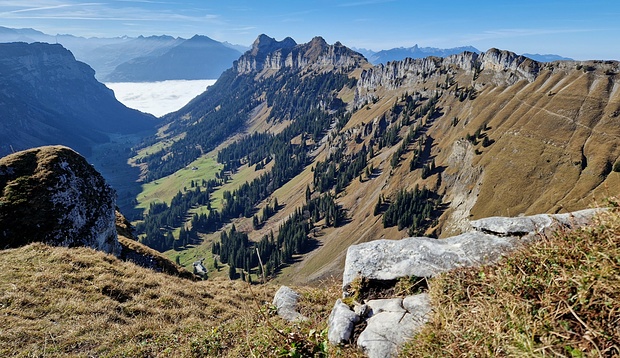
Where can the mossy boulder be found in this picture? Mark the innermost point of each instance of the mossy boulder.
(53, 195)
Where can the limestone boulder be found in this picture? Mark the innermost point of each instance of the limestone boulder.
(393, 322)
(421, 256)
(53, 195)
(528, 225)
(341, 323)
(285, 300)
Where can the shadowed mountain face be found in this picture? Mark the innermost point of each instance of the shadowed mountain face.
(47, 97)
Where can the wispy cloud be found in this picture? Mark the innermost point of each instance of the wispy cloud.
(98, 11)
(364, 3)
(43, 8)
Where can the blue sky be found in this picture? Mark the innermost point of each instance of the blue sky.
(582, 30)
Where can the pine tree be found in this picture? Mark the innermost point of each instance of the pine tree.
(232, 271)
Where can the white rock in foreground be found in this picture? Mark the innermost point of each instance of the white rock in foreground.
(285, 301)
(341, 323)
(421, 256)
(394, 321)
(426, 257)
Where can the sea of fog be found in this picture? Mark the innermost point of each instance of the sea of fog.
(158, 98)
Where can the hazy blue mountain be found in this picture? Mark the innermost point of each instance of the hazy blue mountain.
(47, 97)
(202, 56)
(397, 54)
(197, 58)
(546, 57)
(104, 59)
(240, 48)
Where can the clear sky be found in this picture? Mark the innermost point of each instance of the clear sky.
(584, 29)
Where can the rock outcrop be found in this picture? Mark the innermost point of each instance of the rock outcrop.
(341, 323)
(269, 54)
(426, 257)
(53, 195)
(390, 322)
(285, 301)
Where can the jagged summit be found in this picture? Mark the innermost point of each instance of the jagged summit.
(264, 45)
(269, 54)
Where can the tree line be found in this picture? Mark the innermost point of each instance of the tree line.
(236, 250)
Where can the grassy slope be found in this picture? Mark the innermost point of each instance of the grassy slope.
(559, 297)
(79, 302)
(164, 189)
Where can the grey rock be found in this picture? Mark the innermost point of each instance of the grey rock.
(385, 305)
(285, 301)
(524, 225)
(341, 323)
(426, 257)
(269, 54)
(419, 305)
(422, 256)
(53, 195)
(361, 310)
(392, 325)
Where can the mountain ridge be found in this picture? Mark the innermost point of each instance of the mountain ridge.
(201, 58)
(105, 54)
(400, 53)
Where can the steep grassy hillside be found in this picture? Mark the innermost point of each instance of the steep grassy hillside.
(559, 297)
(79, 302)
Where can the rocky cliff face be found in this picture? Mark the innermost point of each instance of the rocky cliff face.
(507, 66)
(47, 97)
(269, 54)
(52, 195)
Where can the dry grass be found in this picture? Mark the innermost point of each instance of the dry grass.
(559, 297)
(80, 302)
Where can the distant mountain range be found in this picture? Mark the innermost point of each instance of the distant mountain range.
(140, 59)
(158, 58)
(546, 57)
(197, 58)
(400, 53)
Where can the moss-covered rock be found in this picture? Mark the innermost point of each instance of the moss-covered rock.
(53, 195)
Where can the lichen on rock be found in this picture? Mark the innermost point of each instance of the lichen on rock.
(53, 195)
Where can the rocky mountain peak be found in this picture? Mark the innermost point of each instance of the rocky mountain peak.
(264, 44)
(500, 60)
(269, 54)
(53, 195)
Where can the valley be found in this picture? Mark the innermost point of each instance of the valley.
(269, 175)
(471, 128)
